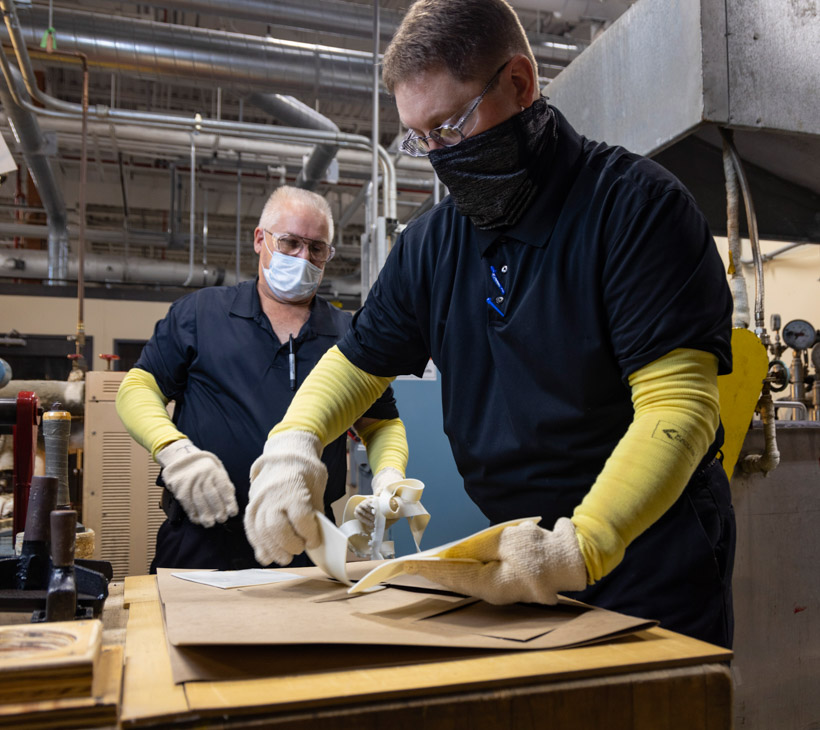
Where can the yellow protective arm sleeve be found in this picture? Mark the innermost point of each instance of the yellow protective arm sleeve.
(334, 395)
(141, 407)
(386, 442)
(676, 416)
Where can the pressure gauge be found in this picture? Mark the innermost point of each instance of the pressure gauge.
(799, 334)
(815, 357)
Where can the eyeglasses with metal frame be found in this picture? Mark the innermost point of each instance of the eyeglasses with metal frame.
(292, 245)
(447, 135)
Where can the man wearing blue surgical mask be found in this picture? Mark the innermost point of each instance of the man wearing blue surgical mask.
(232, 358)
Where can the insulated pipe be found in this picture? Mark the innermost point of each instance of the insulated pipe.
(328, 16)
(150, 49)
(179, 143)
(353, 19)
(740, 297)
(751, 221)
(68, 110)
(294, 113)
(32, 264)
(30, 138)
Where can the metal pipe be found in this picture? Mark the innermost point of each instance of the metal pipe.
(69, 110)
(124, 194)
(33, 264)
(751, 221)
(770, 458)
(353, 19)
(294, 113)
(374, 199)
(27, 132)
(192, 214)
(774, 254)
(737, 282)
(80, 341)
(150, 49)
(238, 212)
(798, 406)
(175, 142)
(329, 16)
(205, 226)
(107, 235)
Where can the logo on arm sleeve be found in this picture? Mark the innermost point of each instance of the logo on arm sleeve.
(675, 436)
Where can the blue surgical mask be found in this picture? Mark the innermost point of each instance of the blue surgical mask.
(291, 278)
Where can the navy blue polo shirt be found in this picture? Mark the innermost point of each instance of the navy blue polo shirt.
(536, 328)
(216, 355)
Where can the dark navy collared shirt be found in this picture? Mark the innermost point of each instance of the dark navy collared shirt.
(216, 355)
(535, 329)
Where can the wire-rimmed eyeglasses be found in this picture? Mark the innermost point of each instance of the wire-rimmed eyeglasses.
(446, 135)
(292, 245)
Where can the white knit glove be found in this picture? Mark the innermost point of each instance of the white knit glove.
(199, 481)
(522, 563)
(287, 488)
(365, 511)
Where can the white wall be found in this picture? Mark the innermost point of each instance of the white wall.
(104, 320)
(791, 281)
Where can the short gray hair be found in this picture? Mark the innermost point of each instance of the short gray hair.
(468, 38)
(287, 194)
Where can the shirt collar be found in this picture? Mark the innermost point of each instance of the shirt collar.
(246, 304)
(536, 225)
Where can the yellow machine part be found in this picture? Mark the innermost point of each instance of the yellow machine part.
(740, 391)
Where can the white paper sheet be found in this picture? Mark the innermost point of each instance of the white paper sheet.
(236, 578)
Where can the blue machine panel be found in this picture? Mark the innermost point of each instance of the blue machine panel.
(452, 514)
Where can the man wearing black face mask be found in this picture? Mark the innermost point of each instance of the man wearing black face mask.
(231, 358)
(575, 304)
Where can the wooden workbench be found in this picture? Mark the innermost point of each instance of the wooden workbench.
(655, 680)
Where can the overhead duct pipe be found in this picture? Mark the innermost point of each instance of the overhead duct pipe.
(294, 113)
(146, 48)
(355, 20)
(31, 264)
(268, 150)
(324, 16)
(30, 138)
(58, 109)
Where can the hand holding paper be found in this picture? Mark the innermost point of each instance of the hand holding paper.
(507, 563)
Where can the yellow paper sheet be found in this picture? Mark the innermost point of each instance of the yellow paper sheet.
(455, 552)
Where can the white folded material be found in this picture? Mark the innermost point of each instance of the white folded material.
(400, 500)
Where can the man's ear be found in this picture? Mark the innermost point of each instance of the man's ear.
(258, 240)
(524, 79)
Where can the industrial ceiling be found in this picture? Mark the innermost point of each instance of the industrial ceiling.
(304, 64)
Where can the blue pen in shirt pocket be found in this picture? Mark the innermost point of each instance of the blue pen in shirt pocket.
(494, 276)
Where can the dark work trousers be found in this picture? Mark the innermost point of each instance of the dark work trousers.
(182, 544)
(679, 571)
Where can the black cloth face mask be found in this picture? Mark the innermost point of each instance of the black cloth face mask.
(495, 175)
